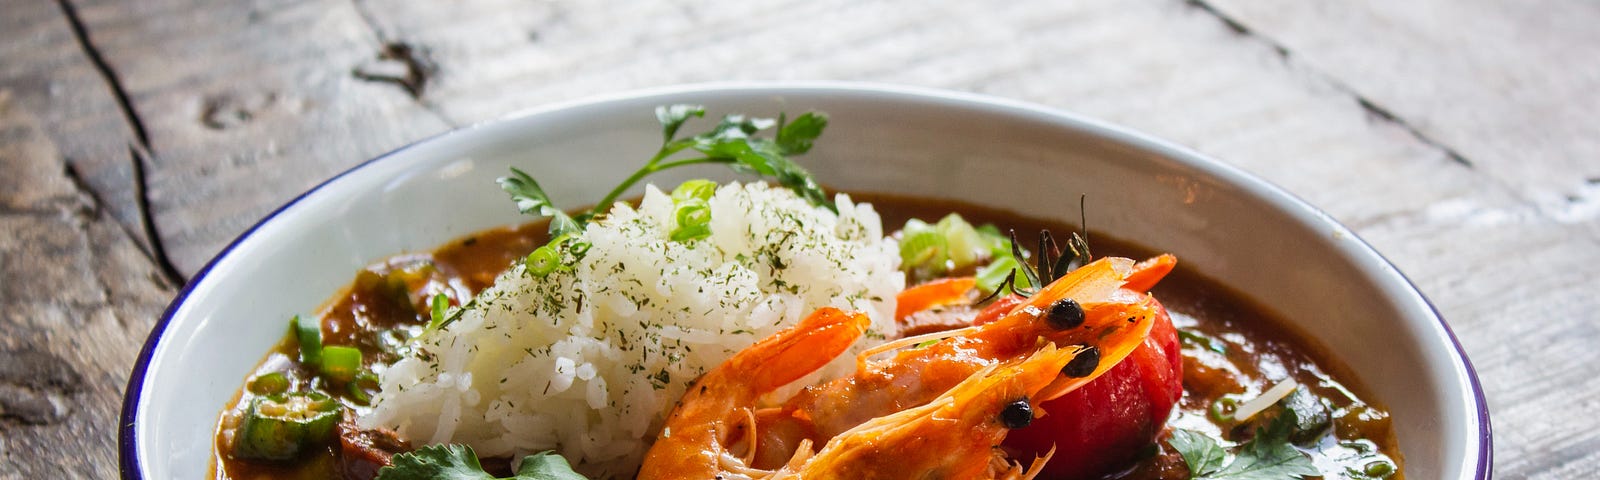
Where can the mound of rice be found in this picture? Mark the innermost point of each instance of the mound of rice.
(589, 360)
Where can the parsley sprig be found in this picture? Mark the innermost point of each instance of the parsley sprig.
(734, 142)
(1268, 456)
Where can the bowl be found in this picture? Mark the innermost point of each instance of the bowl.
(1289, 257)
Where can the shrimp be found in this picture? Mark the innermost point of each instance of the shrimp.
(954, 436)
(902, 406)
(1087, 308)
(716, 410)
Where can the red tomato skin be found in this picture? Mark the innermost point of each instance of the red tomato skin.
(1100, 427)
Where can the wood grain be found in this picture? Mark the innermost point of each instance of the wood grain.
(246, 106)
(78, 294)
(1459, 138)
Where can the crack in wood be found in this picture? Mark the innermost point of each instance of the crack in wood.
(96, 204)
(157, 252)
(169, 271)
(81, 33)
(1368, 105)
(402, 63)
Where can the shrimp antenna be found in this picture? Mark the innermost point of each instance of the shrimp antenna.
(1083, 224)
(1009, 282)
(1047, 251)
(1028, 271)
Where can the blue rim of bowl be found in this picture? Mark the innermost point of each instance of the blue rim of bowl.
(127, 441)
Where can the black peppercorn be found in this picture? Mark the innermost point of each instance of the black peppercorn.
(1064, 314)
(1017, 414)
(1084, 364)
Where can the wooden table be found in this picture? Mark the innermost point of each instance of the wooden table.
(1461, 138)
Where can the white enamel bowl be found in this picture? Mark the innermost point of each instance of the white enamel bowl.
(1287, 255)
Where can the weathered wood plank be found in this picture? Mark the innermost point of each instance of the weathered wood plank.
(247, 105)
(1509, 85)
(44, 67)
(78, 296)
(78, 278)
(1509, 88)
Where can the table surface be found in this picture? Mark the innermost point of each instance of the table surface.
(1460, 137)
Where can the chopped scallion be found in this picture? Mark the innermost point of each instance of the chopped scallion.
(694, 220)
(363, 386)
(309, 333)
(340, 363)
(543, 260)
(698, 188)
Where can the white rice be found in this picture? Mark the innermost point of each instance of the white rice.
(589, 361)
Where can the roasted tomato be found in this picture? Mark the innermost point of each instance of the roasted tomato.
(1102, 426)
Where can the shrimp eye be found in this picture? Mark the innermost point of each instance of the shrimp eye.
(1084, 364)
(1064, 314)
(1017, 414)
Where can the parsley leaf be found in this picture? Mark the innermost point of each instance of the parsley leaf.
(441, 462)
(1268, 456)
(673, 116)
(459, 462)
(796, 138)
(546, 465)
(531, 199)
(1200, 452)
(732, 142)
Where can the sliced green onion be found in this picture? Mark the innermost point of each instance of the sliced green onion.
(440, 305)
(309, 333)
(279, 427)
(699, 188)
(340, 363)
(694, 220)
(363, 386)
(270, 383)
(578, 247)
(1221, 411)
(543, 260)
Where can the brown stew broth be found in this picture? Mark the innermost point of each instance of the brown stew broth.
(1232, 347)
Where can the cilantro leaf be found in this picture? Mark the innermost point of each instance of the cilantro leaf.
(459, 462)
(1268, 456)
(531, 199)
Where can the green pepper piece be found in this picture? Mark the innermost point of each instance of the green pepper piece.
(279, 427)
